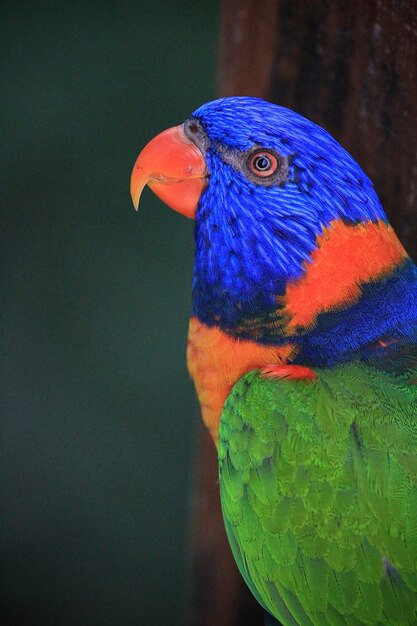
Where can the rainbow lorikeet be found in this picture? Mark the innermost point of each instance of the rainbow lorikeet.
(303, 350)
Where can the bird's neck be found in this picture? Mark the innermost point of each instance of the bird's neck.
(357, 286)
(385, 310)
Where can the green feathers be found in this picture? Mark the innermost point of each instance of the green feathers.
(319, 494)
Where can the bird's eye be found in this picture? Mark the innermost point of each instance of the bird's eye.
(263, 163)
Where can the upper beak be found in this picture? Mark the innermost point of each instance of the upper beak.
(174, 168)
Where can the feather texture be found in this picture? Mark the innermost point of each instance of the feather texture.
(319, 491)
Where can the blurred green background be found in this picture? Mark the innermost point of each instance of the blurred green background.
(98, 413)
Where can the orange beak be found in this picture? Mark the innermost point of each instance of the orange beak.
(174, 168)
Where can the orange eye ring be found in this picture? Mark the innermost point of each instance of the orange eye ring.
(263, 163)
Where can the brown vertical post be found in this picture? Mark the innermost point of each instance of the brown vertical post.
(350, 66)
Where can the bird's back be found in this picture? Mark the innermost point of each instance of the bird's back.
(319, 491)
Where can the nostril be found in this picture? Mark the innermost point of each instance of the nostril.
(194, 130)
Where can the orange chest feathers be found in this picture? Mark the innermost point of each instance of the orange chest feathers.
(216, 361)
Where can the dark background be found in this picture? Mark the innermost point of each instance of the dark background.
(98, 414)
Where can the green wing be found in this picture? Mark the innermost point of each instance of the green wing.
(319, 494)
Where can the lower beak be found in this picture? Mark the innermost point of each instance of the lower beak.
(174, 168)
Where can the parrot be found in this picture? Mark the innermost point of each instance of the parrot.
(302, 347)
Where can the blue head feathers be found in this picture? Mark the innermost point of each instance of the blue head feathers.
(253, 234)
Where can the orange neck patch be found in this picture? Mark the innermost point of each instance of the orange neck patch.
(346, 257)
(216, 361)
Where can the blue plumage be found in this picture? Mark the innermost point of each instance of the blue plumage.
(252, 239)
(267, 233)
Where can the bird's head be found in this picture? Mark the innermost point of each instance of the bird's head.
(264, 184)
